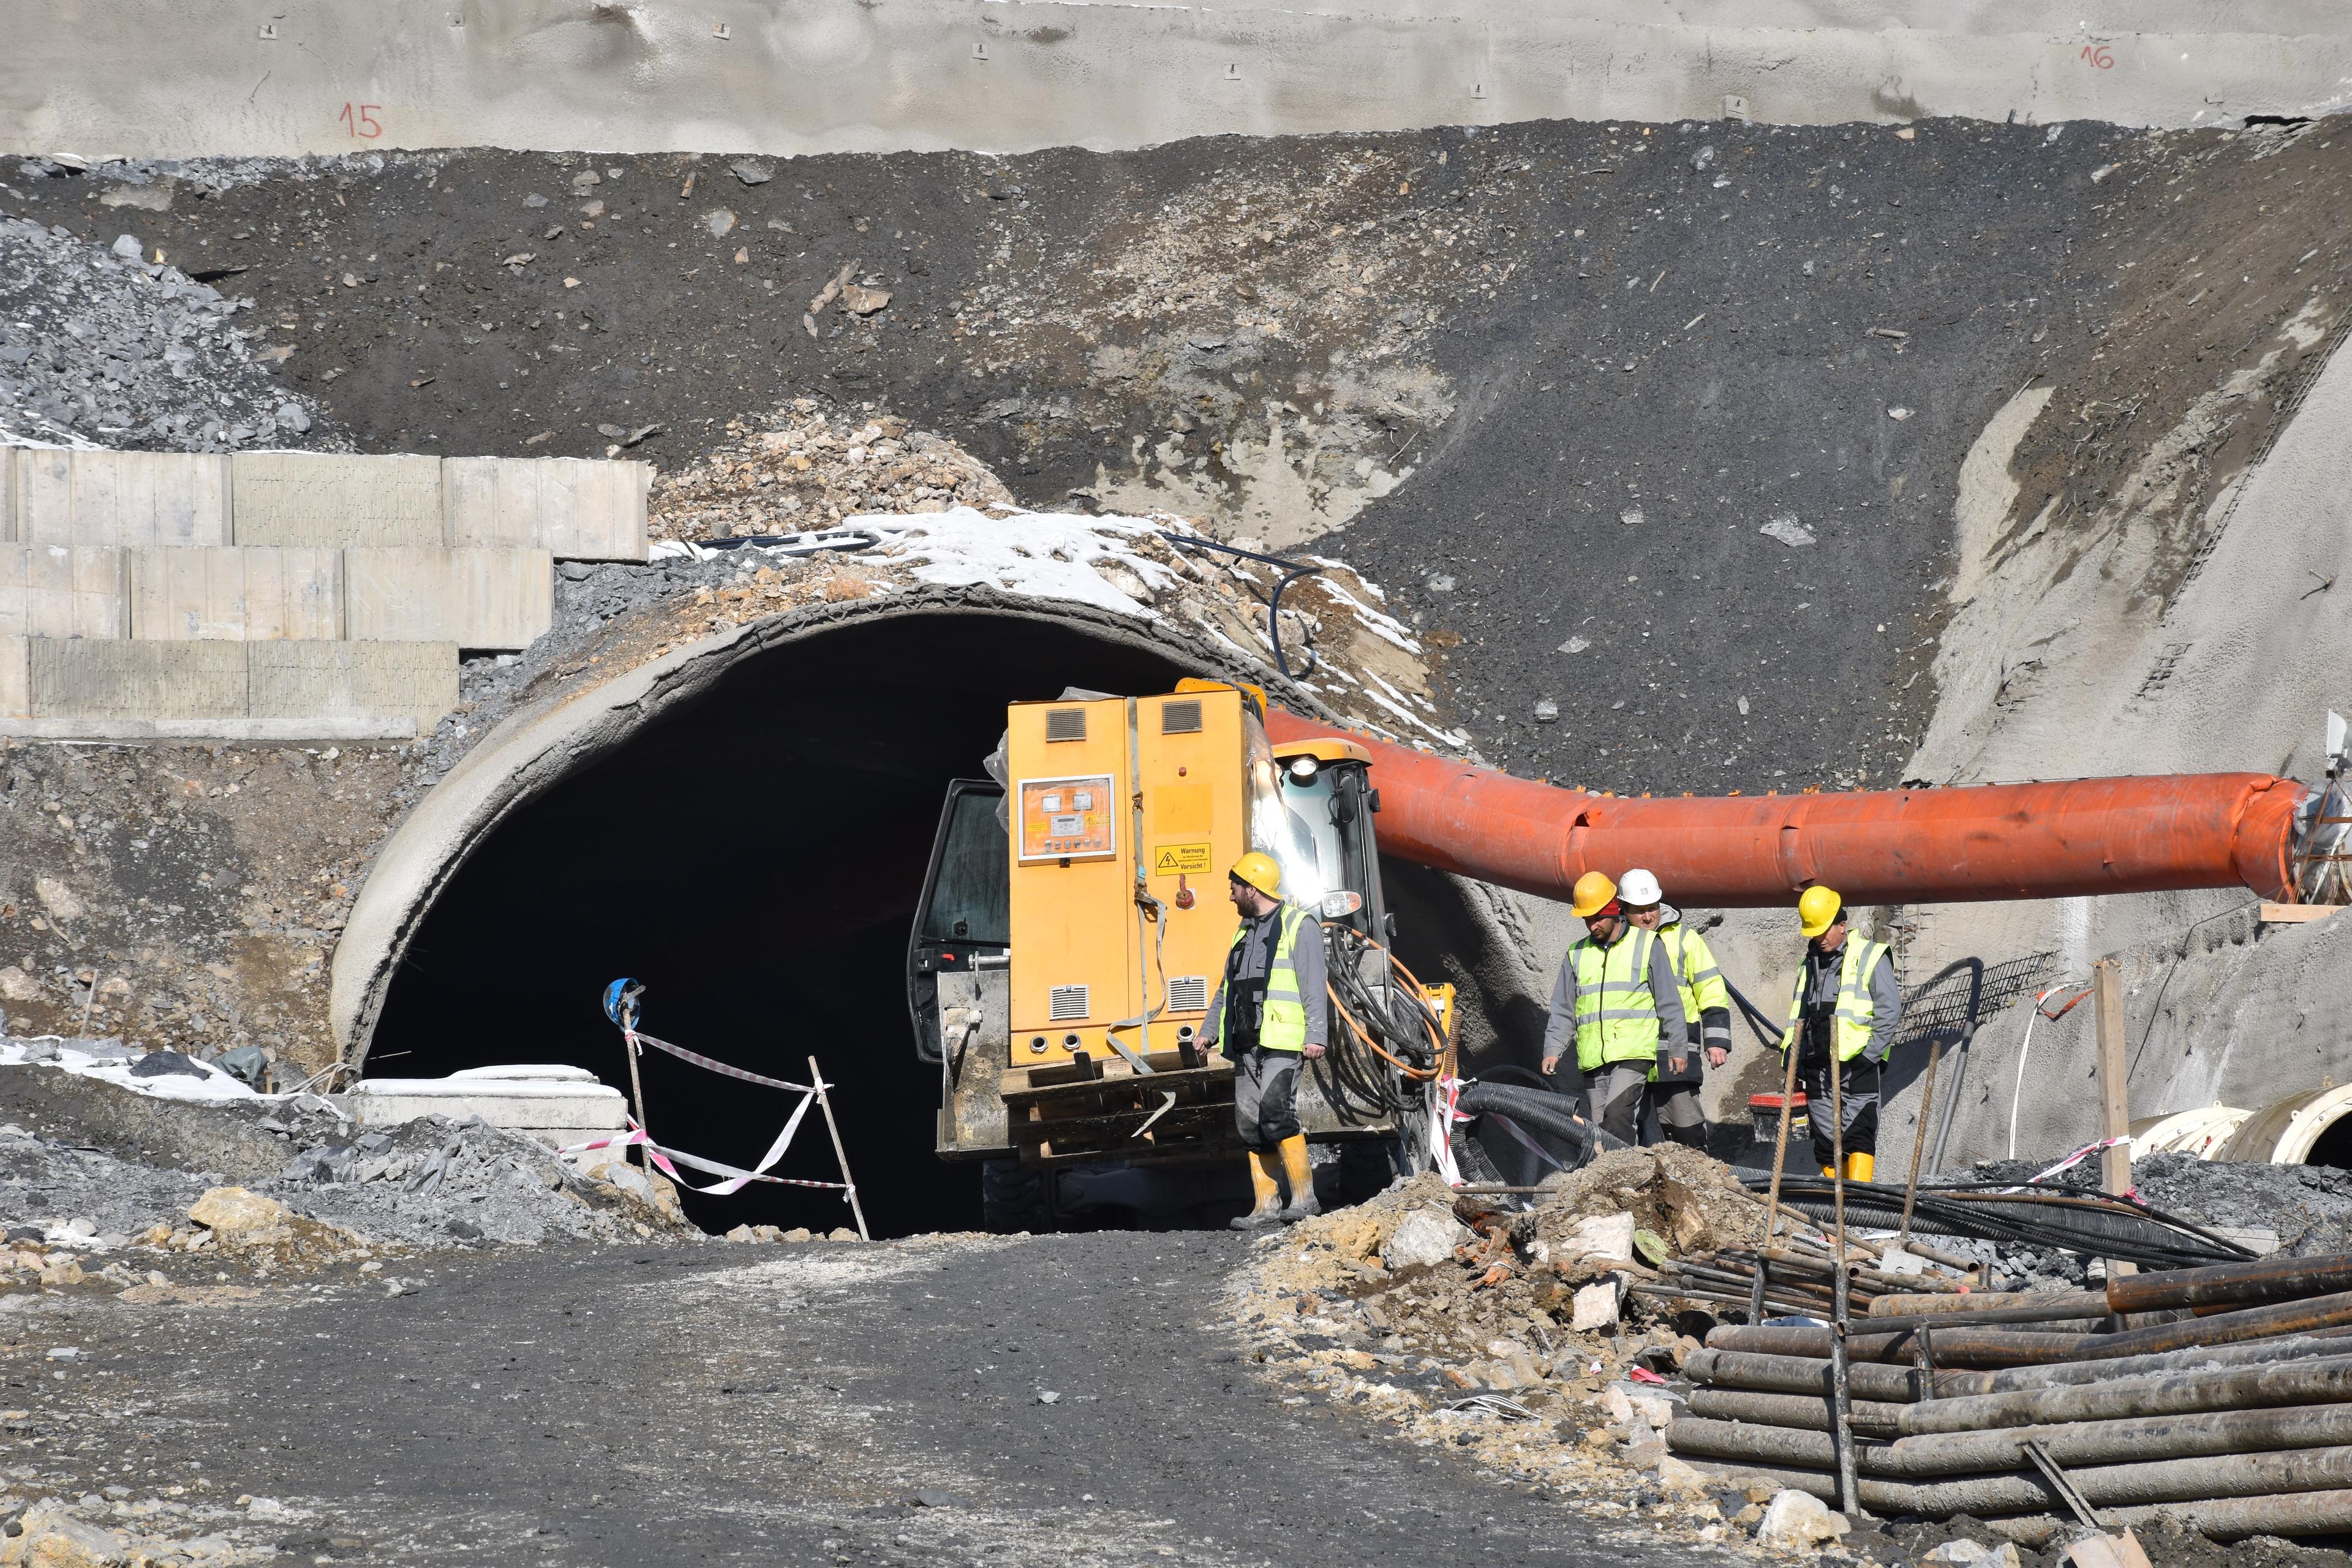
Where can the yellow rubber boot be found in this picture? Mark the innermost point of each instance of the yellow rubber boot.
(1264, 1181)
(1828, 1171)
(1300, 1175)
(1860, 1167)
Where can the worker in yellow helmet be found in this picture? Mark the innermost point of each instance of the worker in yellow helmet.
(1706, 1007)
(1270, 1010)
(1617, 1000)
(1843, 1014)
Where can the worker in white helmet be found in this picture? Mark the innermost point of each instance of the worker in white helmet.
(1706, 1010)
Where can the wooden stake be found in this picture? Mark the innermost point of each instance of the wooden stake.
(1840, 1308)
(1919, 1139)
(1772, 1201)
(840, 1158)
(637, 1095)
(2114, 1094)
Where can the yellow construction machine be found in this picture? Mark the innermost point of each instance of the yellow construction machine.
(1075, 923)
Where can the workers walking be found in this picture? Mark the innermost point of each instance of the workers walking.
(1618, 1001)
(1843, 1014)
(1706, 1010)
(1271, 1009)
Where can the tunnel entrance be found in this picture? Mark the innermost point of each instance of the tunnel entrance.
(751, 845)
(754, 858)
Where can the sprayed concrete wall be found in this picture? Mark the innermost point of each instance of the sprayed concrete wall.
(152, 78)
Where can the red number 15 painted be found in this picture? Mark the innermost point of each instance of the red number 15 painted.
(360, 122)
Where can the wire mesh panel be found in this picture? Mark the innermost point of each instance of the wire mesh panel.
(1941, 1007)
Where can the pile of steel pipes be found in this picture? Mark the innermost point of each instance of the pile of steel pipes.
(2221, 1397)
(1798, 1277)
(2097, 1224)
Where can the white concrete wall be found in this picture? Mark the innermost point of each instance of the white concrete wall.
(576, 508)
(161, 78)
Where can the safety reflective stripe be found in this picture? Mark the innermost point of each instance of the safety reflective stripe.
(1282, 1022)
(1606, 1033)
(1855, 1012)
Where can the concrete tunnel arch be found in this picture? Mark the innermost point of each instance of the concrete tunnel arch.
(456, 853)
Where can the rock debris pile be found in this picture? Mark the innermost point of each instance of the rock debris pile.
(807, 467)
(1512, 1334)
(289, 1182)
(103, 346)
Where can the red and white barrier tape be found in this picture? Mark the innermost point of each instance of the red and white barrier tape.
(682, 1054)
(2084, 1153)
(1441, 1118)
(735, 1176)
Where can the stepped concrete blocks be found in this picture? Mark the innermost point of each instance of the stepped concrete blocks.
(56, 591)
(351, 679)
(16, 678)
(237, 594)
(117, 498)
(475, 598)
(85, 677)
(574, 508)
(329, 501)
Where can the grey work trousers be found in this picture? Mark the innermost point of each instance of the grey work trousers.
(1615, 1094)
(1677, 1104)
(1265, 1095)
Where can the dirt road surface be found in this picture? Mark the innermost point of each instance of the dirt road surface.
(710, 1404)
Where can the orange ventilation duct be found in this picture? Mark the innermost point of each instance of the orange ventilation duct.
(1875, 846)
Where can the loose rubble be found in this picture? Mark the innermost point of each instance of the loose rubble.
(296, 1182)
(1458, 1322)
(806, 465)
(111, 347)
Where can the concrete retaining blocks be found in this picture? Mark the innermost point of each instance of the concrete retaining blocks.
(91, 689)
(478, 598)
(115, 499)
(572, 506)
(475, 598)
(90, 677)
(16, 678)
(235, 595)
(351, 680)
(323, 499)
(57, 590)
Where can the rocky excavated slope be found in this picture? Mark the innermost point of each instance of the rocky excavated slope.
(1663, 424)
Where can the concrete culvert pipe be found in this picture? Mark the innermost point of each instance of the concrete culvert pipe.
(2201, 1134)
(2311, 1128)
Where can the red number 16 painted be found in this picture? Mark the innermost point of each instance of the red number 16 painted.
(360, 121)
(2098, 56)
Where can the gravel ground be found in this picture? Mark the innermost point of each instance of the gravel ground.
(1071, 1400)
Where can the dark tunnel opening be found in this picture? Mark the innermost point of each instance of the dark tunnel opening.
(754, 857)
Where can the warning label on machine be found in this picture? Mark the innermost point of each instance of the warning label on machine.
(1175, 859)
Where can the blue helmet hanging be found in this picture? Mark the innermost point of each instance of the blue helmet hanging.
(621, 1001)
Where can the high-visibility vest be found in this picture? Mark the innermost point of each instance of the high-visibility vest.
(1282, 1021)
(1616, 1016)
(1855, 1012)
(1703, 985)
